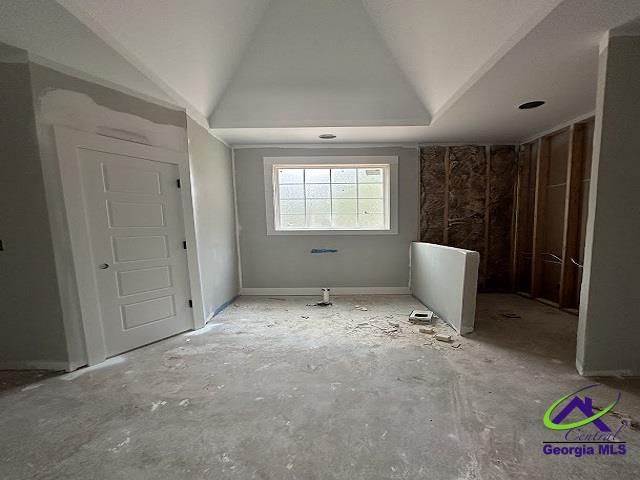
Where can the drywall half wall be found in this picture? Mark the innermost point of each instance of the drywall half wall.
(446, 280)
(608, 328)
(214, 217)
(31, 328)
(369, 262)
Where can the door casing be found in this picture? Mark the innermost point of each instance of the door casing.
(68, 142)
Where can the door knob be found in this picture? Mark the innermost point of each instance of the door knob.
(103, 266)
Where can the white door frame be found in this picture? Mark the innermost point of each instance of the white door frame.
(68, 142)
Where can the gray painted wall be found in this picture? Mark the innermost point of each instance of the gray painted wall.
(44, 80)
(284, 261)
(609, 329)
(31, 327)
(214, 212)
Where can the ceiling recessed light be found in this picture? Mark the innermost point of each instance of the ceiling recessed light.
(529, 105)
(327, 136)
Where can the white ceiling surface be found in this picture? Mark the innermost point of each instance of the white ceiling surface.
(47, 30)
(556, 61)
(288, 63)
(442, 44)
(318, 63)
(189, 47)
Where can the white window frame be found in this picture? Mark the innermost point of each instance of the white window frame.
(271, 194)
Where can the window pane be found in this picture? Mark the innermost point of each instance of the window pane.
(371, 190)
(370, 175)
(292, 221)
(343, 175)
(290, 175)
(333, 197)
(344, 191)
(316, 175)
(318, 190)
(292, 191)
(319, 221)
(319, 206)
(366, 206)
(292, 207)
(341, 206)
(373, 220)
(345, 221)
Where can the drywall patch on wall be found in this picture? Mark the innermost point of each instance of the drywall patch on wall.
(60, 99)
(81, 112)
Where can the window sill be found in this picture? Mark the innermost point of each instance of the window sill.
(331, 233)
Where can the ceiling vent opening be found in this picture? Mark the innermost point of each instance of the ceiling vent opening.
(530, 105)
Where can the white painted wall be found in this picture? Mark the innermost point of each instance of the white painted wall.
(60, 99)
(37, 261)
(609, 329)
(214, 216)
(284, 261)
(446, 280)
(318, 63)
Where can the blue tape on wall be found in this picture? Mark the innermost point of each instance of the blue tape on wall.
(324, 250)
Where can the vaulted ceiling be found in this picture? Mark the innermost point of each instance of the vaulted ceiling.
(370, 71)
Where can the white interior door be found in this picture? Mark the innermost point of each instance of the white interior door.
(136, 232)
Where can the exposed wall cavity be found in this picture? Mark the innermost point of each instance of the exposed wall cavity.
(466, 201)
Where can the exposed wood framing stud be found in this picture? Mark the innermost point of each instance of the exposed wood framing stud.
(542, 173)
(575, 167)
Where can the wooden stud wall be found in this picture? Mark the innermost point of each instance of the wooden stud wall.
(549, 211)
(466, 201)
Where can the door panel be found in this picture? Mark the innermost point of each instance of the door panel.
(136, 229)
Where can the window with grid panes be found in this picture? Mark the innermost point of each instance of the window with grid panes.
(331, 197)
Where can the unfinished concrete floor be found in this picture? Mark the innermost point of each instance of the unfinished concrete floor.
(275, 389)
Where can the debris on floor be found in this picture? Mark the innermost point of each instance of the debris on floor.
(441, 337)
(510, 315)
(427, 330)
(421, 316)
(362, 309)
(456, 345)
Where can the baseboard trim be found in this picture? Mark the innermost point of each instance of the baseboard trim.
(35, 365)
(334, 291)
(604, 373)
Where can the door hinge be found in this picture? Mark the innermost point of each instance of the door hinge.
(184, 244)
(178, 183)
(190, 303)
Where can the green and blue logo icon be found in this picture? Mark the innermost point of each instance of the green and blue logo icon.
(590, 435)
